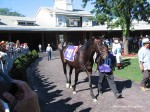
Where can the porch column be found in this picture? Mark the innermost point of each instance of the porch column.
(91, 34)
(141, 35)
(9, 37)
(84, 36)
(57, 38)
(65, 37)
(43, 44)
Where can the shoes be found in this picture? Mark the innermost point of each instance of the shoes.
(144, 89)
(118, 95)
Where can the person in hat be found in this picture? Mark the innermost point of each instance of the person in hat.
(117, 52)
(40, 47)
(144, 62)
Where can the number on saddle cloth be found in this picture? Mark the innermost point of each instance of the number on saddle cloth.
(70, 52)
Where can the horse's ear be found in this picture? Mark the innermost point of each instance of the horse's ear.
(102, 37)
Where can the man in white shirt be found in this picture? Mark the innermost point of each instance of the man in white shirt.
(49, 51)
(40, 48)
(144, 62)
(117, 52)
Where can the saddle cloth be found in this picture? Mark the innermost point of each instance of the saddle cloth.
(70, 52)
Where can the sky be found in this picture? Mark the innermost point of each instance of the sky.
(30, 7)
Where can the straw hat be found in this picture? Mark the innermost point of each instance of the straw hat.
(116, 41)
(145, 41)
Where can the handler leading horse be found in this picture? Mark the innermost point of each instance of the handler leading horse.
(83, 61)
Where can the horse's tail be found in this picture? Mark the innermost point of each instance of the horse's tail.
(62, 50)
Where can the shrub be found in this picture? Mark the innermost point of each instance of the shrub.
(21, 64)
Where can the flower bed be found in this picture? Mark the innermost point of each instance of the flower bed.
(129, 55)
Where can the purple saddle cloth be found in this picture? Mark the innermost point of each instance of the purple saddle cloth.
(70, 52)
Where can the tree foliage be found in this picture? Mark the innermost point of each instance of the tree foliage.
(9, 12)
(120, 13)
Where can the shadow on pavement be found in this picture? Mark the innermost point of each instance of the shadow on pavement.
(49, 95)
(121, 85)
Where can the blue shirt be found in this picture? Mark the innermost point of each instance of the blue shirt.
(144, 57)
(107, 64)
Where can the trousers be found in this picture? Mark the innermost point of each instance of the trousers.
(49, 55)
(146, 76)
(110, 79)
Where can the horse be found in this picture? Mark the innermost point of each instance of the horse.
(83, 61)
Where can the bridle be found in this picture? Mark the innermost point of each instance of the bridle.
(99, 53)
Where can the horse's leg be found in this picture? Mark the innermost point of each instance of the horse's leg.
(76, 80)
(91, 90)
(65, 72)
(70, 72)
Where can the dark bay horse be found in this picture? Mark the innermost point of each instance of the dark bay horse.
(83, 61)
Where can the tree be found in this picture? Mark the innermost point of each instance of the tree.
(120, 13)
(8, 12)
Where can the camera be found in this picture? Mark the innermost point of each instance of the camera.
(6, 85)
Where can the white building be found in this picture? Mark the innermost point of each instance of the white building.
(54, 17)
(59, 23)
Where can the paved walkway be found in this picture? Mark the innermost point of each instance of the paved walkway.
(48, 80)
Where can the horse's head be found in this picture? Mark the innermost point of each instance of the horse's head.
(101, 48)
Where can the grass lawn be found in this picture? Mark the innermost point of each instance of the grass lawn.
(130, 71)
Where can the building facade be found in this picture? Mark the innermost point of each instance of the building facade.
(58, 24)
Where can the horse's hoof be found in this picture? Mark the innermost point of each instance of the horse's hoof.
(67, 85)
(94, 100)
(74, 92)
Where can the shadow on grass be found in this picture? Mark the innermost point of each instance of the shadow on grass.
(126, 62)
(148, 83)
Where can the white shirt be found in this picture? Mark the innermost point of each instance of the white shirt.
(49, 49)
(40, 46)
(144, 57)
(116, 49)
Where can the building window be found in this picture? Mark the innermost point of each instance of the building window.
(73, 21)
(25, 23)
(21, 23)
(30, 24)
(87, 22)
(60, 22)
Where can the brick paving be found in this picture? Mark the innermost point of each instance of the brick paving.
(47, 79)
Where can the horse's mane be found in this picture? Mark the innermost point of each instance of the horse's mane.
(87, 44)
